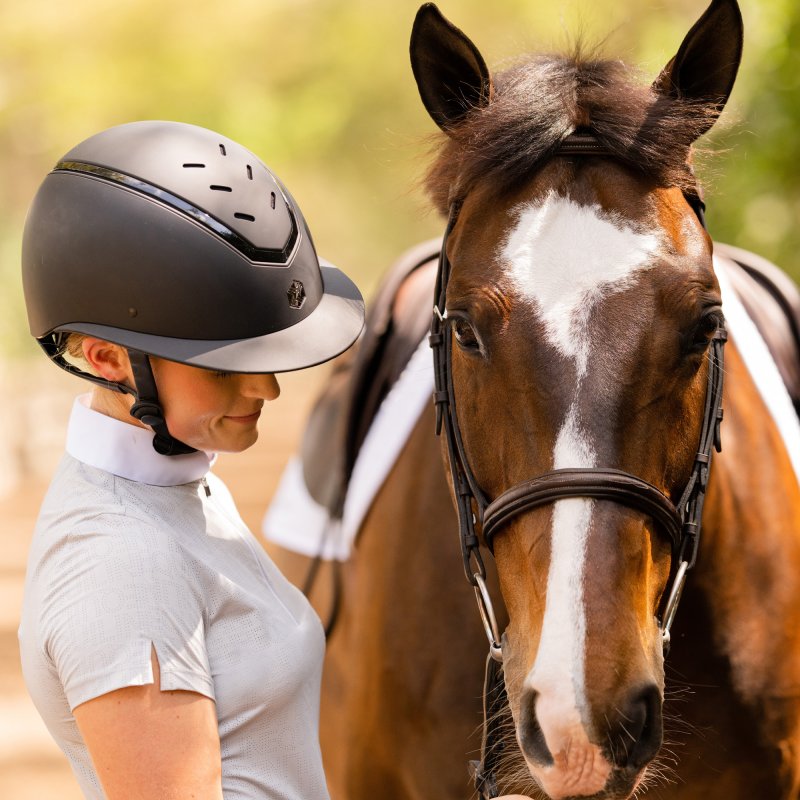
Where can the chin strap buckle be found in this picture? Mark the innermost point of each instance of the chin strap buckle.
(147, 412)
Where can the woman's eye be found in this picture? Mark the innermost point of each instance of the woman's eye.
(222, 374)
(464, 334)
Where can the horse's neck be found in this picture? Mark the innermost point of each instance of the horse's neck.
(749, 566)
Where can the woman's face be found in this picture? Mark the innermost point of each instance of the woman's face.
(212, 411)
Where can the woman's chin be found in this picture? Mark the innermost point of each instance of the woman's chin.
(234, 443)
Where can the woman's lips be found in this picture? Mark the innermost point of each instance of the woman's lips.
(249, 418)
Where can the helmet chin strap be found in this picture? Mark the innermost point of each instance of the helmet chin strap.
(148, 410)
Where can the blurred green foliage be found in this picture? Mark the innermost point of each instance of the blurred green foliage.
(323, 92)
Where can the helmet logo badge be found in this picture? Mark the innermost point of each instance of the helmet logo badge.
(296, 295)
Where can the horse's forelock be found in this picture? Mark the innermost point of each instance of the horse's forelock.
(543, 99)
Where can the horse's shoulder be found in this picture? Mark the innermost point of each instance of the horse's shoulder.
(398, 318)
(772, 300)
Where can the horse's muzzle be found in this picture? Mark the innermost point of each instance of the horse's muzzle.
(568, 762)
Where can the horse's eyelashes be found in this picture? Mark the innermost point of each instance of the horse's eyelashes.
(465, 335)
(700, 336)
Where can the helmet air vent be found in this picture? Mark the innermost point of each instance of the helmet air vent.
(222, 150)
(248, 217)
(272, 200)
(194, 166)
(217, 188)
(249, 173)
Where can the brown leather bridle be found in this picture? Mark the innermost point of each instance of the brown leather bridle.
(680, 521)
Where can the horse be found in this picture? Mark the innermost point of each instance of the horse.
(579, 322)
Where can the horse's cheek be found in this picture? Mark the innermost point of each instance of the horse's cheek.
(523, 580)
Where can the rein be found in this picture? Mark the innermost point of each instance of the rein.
(679, 522)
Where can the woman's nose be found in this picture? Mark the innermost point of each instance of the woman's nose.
(263, 385)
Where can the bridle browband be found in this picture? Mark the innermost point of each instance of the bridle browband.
(680, 521)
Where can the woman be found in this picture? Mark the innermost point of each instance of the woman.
(166, 653)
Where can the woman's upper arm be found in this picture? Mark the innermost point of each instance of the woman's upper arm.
(147, 744)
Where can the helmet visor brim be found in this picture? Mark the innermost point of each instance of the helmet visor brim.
(328, 331)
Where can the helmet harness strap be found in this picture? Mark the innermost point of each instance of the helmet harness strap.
(147, 408)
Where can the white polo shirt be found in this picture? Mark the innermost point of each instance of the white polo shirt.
(134, 550)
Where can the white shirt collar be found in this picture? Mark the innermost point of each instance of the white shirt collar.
(126, 450)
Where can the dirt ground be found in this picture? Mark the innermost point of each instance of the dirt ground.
(34, 406)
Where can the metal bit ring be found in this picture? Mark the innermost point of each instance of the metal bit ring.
(488, 618)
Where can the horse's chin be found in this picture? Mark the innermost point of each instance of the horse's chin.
(597, 781)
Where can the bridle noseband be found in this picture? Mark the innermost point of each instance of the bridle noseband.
(680, 521)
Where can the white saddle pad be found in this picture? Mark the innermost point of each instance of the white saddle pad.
(294, 520)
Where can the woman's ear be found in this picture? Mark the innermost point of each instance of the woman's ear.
(108, 360)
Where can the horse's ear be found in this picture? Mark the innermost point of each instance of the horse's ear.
(451, 74)
(706, 64)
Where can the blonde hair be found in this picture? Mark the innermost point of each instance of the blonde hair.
(72, 352)
(74, 346)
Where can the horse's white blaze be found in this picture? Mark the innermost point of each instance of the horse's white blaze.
(565, 258)
(558, 673)
(560, 662)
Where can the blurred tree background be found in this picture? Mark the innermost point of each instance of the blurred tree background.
(323, 92)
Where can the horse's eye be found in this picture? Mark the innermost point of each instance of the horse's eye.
(465, 335)
(704, 330)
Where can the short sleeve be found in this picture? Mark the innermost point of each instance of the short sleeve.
(117, 591)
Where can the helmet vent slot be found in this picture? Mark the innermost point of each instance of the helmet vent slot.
(222, 150)
(190, 182)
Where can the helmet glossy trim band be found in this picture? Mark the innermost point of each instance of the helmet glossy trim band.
(261, 255)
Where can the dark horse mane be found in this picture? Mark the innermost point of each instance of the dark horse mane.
(544, 98)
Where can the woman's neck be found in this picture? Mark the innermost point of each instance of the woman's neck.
(114, 404)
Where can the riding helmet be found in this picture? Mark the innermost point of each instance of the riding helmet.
(172, 240)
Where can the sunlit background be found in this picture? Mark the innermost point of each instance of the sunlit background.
(323, 92)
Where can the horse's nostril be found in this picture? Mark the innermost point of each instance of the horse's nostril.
(531, 736)
(639, 730)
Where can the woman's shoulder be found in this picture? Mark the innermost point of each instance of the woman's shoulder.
(91, 514)
(78, 489)
(95, 547)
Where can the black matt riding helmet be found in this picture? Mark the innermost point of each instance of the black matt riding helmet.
(174, 241)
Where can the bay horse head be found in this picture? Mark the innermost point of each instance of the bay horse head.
(579, 311)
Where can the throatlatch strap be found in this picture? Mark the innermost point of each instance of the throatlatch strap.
(148, 410)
